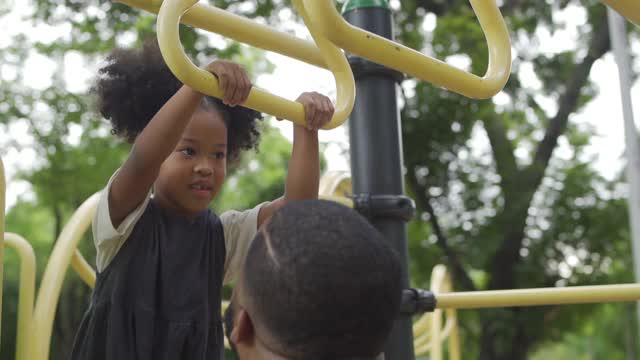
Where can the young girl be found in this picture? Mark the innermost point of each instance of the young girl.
(162, 255)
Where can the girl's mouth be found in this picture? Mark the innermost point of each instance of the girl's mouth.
(201, 190)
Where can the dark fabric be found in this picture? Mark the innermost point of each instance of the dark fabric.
(159, 298)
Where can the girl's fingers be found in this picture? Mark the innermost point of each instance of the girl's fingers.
(246, 89)
(232, 97)
(241, 89)
(223, 82)
(310, 113)
(329, 111)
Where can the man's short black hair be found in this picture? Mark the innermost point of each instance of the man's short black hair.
(323, 282)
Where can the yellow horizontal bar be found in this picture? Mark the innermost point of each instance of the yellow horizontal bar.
(627, 8)
(26, 293)
(242, 29)
(399, 57)
(51, 283)
(541, 296)
(260, 100)
(83, 269)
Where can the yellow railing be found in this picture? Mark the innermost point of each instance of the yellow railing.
(26, 292)
(399, 57)
(169, 39)
(627, 8)
(53, 277)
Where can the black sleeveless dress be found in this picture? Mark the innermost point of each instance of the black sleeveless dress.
(159, 298)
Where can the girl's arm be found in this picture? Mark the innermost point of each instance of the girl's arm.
(160, 137)
(303, 176)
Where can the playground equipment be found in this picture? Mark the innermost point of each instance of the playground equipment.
(429, 334)
(627, 8)
(27, 290)
(202, 80)
(323, 28)
(327, 24)
(331, 33)
(401, 58)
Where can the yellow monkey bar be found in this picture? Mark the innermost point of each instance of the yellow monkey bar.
(169, 17)
(399, 57)
(26, 293)
(627, 8)
(241, 29)
(357, 41)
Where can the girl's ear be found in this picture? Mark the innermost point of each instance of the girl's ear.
(243, 330)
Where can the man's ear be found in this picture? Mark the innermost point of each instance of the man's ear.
(243, 331)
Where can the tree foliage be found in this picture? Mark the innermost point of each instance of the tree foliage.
(505, 210)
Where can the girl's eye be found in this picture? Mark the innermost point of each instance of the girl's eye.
(220, 155)
(188, 151)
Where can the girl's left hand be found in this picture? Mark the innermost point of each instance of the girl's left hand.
(318, 109)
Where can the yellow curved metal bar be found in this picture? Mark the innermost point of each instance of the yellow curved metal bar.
(3, 188)
(53, 277)
(336, 186)
(26, 292)
(399, 57)
(541, 296)
(335, 183)
(242, 29)
(169, 39)
(83, 269)
(428, 332)
(627, 8)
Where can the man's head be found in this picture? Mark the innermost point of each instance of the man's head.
(319, 282)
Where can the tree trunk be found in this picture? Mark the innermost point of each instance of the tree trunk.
(503, 335)
(68, 317)
(630, 340)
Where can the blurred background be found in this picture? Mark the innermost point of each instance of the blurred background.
(538, 168)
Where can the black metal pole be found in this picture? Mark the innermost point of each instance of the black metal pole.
(376, 150)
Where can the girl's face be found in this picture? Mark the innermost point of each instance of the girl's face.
(193, 174)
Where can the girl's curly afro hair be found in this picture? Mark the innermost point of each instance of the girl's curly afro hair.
(135, 84)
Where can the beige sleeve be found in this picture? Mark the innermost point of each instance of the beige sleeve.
(107, 239)
(240, 228)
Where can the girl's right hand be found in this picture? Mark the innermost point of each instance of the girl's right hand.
(233, 79)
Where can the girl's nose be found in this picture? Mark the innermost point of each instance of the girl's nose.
(203, 168)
